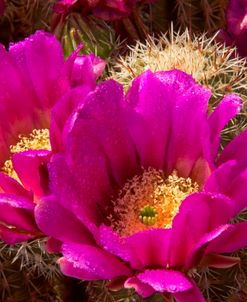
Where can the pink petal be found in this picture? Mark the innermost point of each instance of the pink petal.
(233, 239)
(13, 236)
(235, 151)
(219, 261)
(144, 290)
(95, 260)
(141, 250)
(83, 70)
(230, 179)
(149, 248)
(227, 109)
(15, 105)
(11, 186)
(84, 196)
(61, 112)
(165, 102)
(198, 251)
(192, 295)
(103, 118)
(17, 212)
(72, 270)
(86, 70)
(199, 214)
(166, 280)
(30, 84)
(30, 167)
(113, 243)
(56, 221)
(42, 72)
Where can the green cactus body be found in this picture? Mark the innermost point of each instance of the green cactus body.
(94, 34)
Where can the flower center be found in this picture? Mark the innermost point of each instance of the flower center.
(38, 139)
(149, 200)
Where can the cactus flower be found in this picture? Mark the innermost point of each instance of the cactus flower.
(105, 9)
(139, 194)
(34, 76)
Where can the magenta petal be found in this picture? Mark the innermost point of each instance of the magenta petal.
(231, 180)
(30, 167)
(83, 70)
(198, 250)
(198, 215)
(56, 221)
(113, 243)
(166, 280)
(233, 239)
(192, 295)
(84, 196)
(17, 211)
(15, 104)
(227, 109)
(141, 249)
(153, 109)
(103, 118)
(61, 112)
(145, 248)
(72, 270)
(53, 245)
(219, 261)
(165, 102)
(30, 84)
(42, 72)
(235, 151)
(95, 260)
(86, 70)
(11, 186)
(13, 236)
(144, 290)
(220, 178)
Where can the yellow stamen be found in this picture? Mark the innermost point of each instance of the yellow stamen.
(37, 140)
(149, 201)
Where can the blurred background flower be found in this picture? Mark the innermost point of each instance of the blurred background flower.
(236, 29)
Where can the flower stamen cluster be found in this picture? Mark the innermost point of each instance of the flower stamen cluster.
(150, 200)
(38, 139)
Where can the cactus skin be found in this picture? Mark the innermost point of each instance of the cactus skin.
(95, 35)
(22, 18)
(28, 274)
(197, 15)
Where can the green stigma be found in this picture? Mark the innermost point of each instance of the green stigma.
(148, 215)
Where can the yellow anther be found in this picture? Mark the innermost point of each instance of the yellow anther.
(37, 140)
